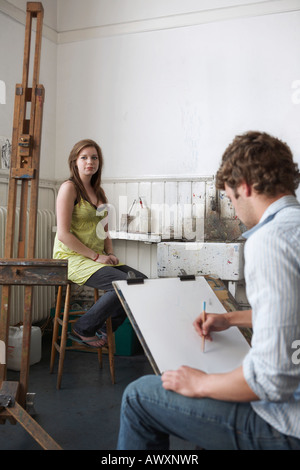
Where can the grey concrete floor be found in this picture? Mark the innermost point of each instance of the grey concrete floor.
(84, 413)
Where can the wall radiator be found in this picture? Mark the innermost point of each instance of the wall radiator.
(43, 297)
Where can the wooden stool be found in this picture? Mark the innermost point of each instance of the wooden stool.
(59, 343)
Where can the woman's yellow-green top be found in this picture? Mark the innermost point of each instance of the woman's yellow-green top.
(88, 226)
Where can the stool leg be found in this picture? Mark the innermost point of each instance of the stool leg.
(100, 357)
(96, 297)
(55, 327)
(110, 340)
(63, 340)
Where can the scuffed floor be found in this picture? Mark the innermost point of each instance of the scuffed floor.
(84, 413)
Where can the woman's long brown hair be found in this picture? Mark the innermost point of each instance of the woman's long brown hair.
(96, 178)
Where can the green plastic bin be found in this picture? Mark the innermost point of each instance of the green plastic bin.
(127, 343)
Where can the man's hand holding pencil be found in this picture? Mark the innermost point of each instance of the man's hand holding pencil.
(206, 323)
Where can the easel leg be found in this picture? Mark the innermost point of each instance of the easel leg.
(22, 417)
(25, 160)
(33, 428)
(64, 333)
(56, 327)
(4, 324)
(25, 362)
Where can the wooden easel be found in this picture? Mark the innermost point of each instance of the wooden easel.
(21, 268)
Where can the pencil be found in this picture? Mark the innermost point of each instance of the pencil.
(204, 318)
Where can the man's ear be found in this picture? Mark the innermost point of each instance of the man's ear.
(246, 189)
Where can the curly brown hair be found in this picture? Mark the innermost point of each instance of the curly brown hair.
(260, 160)
(96, 178)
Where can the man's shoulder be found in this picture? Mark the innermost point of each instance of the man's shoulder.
(283, 229)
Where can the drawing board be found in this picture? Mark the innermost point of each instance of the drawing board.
(162, 312)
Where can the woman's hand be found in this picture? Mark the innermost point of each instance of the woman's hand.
(113, 259)
(107, 259)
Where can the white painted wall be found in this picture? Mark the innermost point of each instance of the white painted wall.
(163, 85)
(74, 14)
(167, 102)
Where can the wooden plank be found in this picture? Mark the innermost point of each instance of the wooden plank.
(23, 173)
(31, 426)
(33, 272)
(33, 262)
(34, 8)
(10, 389)
(4, 325)
(25, 357)
(228, 302)
(23, 220)
(10, 219)
(36, 71)
(36, 165)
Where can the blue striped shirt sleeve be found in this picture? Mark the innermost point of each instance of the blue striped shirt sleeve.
(272, 277)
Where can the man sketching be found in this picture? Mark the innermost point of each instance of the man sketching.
(256, 406)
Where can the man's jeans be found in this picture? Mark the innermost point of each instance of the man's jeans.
(150, 414)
